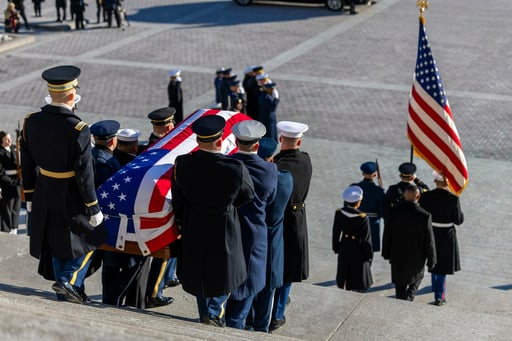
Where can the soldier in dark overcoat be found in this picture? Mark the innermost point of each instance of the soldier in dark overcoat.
(373, 201)
(395, 193)
(295, 230)
(252, 220)
(263, 302)
(408, 242)
(252, 90)
(444, 207)
(175, 94)
(10, 201)
(204, 202)
(58, 179)
(351, 240)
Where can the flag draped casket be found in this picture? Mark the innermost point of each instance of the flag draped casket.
(136, 201)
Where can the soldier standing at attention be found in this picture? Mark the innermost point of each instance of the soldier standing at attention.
(446, 213)
(267, 107)
(295, 230)
(395, 193)
(373, 201)
(175, 94)
(204, 202)
(58, 143)
(252, 220)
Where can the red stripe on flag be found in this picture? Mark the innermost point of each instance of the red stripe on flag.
(151, 223)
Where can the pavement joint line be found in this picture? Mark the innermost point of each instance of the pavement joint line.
(342, 322)
(326, 35)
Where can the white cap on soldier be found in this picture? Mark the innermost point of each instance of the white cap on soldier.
(291, 129)
(128, 135)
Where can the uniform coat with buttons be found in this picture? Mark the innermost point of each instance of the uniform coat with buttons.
(351, 240)
(56, 140)
(267, 113)
(408, 242)
(204, 203)
(445, 209)
(295, 229)
(373, 205)
(252, 220)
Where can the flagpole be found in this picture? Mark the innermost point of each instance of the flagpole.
(423, 5)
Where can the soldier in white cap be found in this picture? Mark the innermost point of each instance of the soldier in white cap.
(252, 220)
(352, 242)
(295, 232)
(127, 145)
(175, 94)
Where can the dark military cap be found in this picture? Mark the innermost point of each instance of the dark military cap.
(61, 78)
(269, 85)
(231, 78)
(220, 70)
(407, 168)
(257, 68)
(234, 83)
(369, 167)
(162, 116)
(226, 71)
(209, 128)
(268, 147)
(104, 130)
(249, 132)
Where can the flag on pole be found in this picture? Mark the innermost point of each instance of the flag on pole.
(430, 125)
(136, 201)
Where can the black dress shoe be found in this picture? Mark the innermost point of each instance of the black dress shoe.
(354, 12)
(440, 302)
(172, 283)
(216, 322)
(67, 292)
(274, 324)
(158, 301)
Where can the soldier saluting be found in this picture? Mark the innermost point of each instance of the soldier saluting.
(58, 143)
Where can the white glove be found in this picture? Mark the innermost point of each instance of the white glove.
(96, 219)
(29, 206)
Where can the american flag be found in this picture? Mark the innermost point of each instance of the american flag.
(430, 125)
(136, 201)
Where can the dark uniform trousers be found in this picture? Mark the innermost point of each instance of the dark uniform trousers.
(407, 291)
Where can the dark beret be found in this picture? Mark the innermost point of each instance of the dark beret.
(407, 168)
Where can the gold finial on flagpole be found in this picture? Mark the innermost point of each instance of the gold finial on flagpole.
(423, 5)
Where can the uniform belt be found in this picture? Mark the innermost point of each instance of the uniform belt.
(372, 215)
(57, 175)
(11, 172)
(297, 206)
(442, 224)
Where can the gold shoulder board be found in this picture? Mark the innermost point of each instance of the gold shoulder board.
(28, 115)
(362, 215)
(338, 209)
(80, 125)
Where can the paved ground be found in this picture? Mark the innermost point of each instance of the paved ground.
(348, 77)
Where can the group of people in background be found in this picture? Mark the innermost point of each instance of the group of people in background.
(106, 11)
(419, 230)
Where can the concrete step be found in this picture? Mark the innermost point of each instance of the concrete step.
(29, 311)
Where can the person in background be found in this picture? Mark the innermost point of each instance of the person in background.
(373, 201)
(175, 94)
(20, 7)
(127, 145)
(37, 7)
(408, 242)
(352, 242)
(268, 107)
(12, 18)
(444, 207)
(61, 4)
(10, 203)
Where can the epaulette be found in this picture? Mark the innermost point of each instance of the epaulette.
(28, 115)
(362, 215)
(80, 125)
(338, 209)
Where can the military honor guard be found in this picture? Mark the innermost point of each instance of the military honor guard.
(127, 145)
(58, 181)
(444, 207)
(264, 300)
(162, 122)
(408, 243)
(205, 208)
(252, 220)
(223, 87)
(395, 193)
(10, 196)
(216, 82)
(105, 142)
(295, 231)
(236, 95)
(253, 91)
(268, 107)
(175, 94)
(373, 201)
(352, 242)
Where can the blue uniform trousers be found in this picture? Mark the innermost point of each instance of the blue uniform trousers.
(375, 232)
(280, 298)
(237, 311)
(439, 286)
(72, 270)
(262, 310)
(210, 307)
